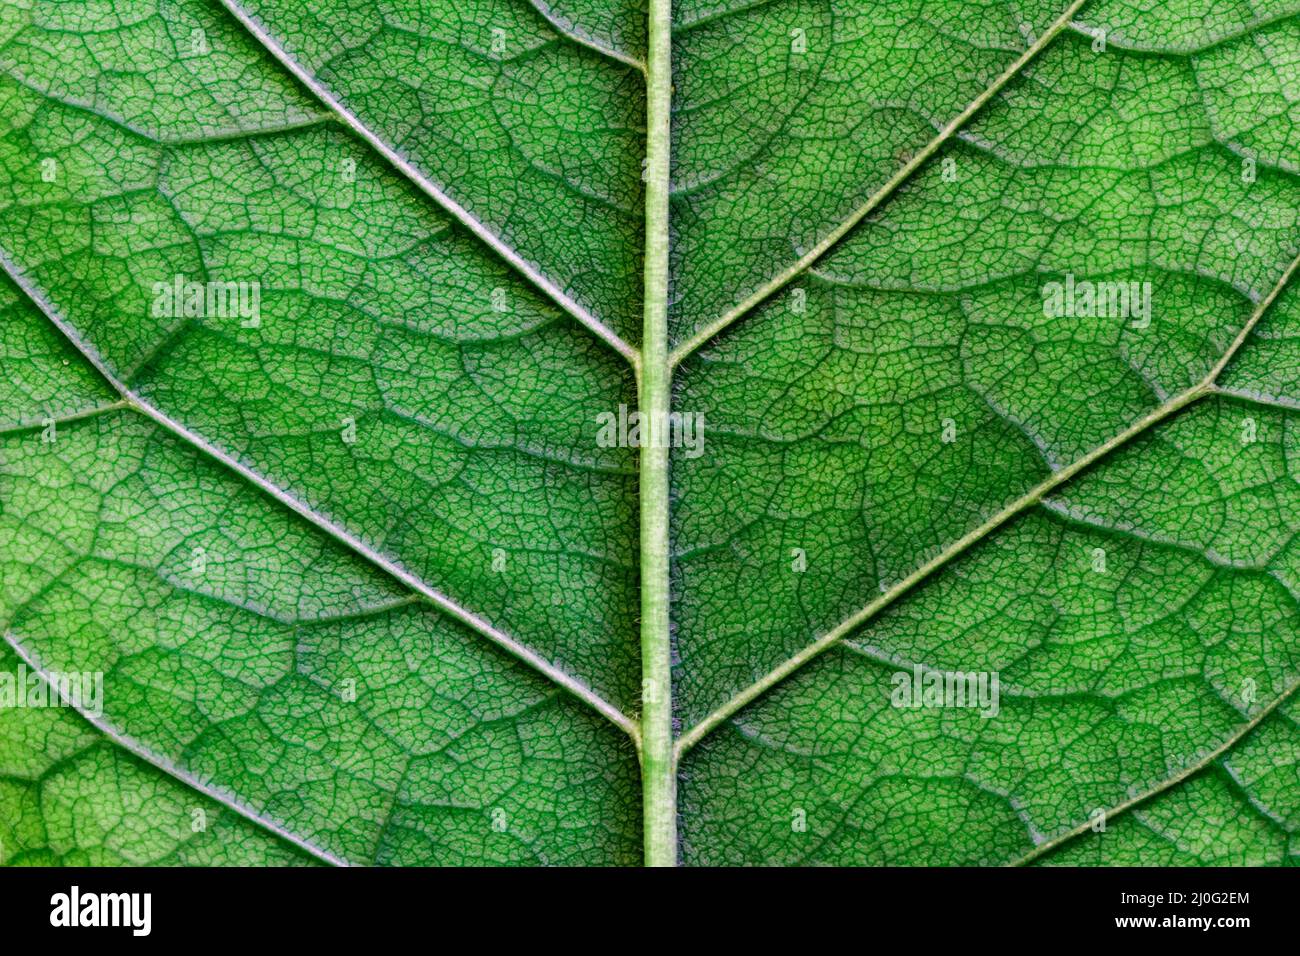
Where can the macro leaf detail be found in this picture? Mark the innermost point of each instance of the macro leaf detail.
(603, 433)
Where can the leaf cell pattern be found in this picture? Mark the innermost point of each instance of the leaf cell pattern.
(365, 585)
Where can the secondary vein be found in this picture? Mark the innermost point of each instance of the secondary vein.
(686, 348)
(473, 621)
(131, 745)
(1204, 388)
(572, 34)
(1173, 780)
(429, 188)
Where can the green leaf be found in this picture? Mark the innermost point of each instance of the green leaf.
(365, 578)
(74, 798)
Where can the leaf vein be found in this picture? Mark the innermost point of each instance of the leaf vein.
(1206, 387)
(430, 189)
(444, 603)
(779, 281)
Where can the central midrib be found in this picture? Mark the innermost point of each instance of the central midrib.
(654, 364)
(654, 397)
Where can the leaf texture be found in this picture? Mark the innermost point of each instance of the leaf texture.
(365, 584)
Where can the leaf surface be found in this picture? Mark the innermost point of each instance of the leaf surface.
(364, 582)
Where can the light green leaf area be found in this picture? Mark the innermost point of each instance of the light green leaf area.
(908, 397)
(253, 657)
(368, 582)
(1133, 634)
(73, 798)
(829, 407)
(391, 347)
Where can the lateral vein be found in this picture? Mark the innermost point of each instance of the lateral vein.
(131, 745)
(570, 33)
(1206, 387)
(444, 603)
(1172, 781)
(429, 188)
(92, 412)
(688, 347)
